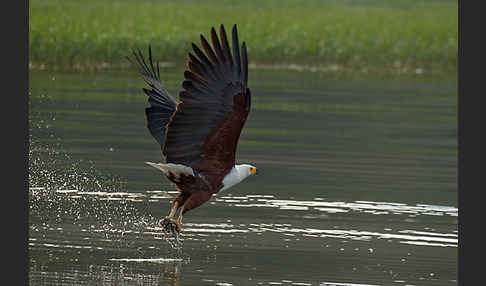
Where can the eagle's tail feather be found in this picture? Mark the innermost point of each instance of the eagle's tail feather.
(174, 169)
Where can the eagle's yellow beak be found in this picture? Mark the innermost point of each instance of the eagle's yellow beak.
(253, 170)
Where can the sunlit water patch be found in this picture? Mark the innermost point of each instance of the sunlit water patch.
(319, 204)
(117, 210)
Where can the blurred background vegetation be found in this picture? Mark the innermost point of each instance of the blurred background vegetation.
(414, 36)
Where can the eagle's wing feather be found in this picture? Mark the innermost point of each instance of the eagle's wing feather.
(214, 104)
(162, 105)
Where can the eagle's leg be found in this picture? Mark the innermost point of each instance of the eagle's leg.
(168, 222)
(173, 209)
(171, 225)
(179, 220)
(185, 202)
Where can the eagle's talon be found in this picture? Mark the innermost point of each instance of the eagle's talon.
(170, 225)
(166, 223)
(178, 227)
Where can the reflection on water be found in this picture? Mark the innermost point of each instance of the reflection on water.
(131, 242)
(167, 274)
(356, 190)
(312, 209)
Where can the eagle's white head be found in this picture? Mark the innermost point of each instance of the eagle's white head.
(246, 170)
(238, 174)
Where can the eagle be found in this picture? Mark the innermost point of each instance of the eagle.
(198, 134)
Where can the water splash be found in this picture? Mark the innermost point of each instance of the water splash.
(65, 191)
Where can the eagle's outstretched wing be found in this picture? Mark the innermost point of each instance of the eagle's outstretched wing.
(214, 104)
(162, 105)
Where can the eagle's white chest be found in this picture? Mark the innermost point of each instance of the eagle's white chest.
(235, 176)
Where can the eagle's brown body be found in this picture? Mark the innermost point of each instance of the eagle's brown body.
(201, 131)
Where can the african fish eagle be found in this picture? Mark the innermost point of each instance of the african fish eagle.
(198, 135)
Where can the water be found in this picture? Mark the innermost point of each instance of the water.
(357, 186)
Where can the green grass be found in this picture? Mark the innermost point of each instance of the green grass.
(352, 34)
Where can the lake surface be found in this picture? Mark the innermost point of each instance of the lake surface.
(357, 186)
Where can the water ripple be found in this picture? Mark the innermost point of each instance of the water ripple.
(194, 231)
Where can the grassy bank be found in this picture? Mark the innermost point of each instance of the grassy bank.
(408, 35)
